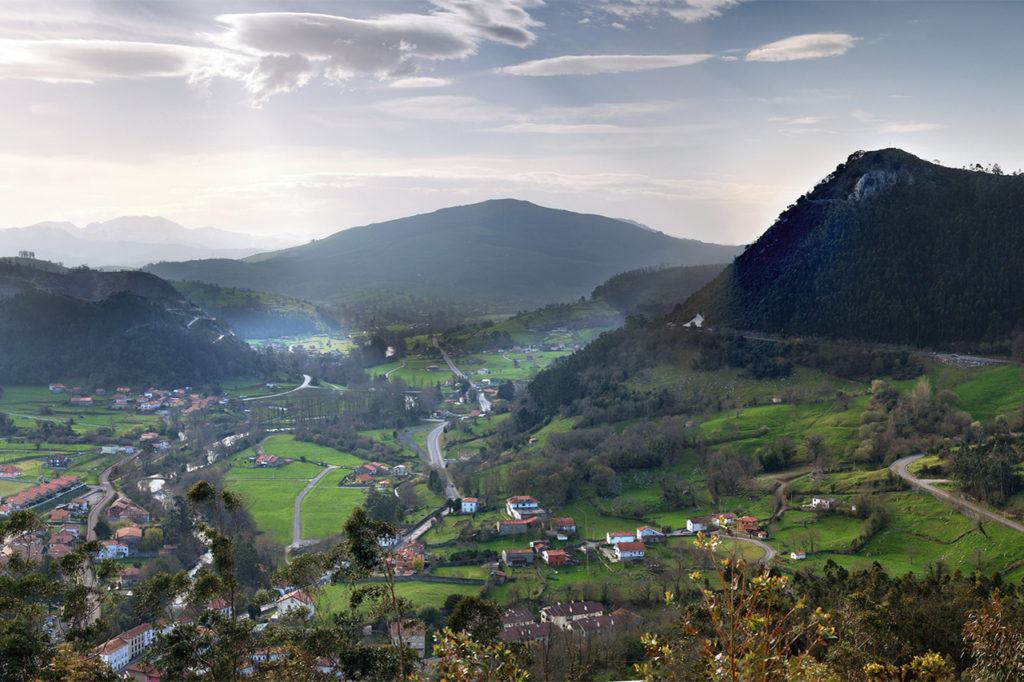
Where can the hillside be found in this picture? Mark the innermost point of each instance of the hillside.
(257, 315)
(506, 254)
(57, 323)
(887, 248)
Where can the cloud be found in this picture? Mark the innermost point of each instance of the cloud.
(685, 10)
(910, 127)
(588, 65)
(87, 61)
(277, 73)
(421, 82)
(808, 46)
(272, 52)
(387, 46)
(564, 129)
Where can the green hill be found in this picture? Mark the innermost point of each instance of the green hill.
(887, 248)
(257, 315)
(105, 327)
(503, 254)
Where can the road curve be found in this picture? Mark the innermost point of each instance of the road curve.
(437, 461)
(769, 551)
(305, 384)
(89, 578)
(968, 509)
(297, 515)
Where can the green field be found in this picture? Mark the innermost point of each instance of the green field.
(240, 468)
(271, 504)
(285, 445)
(336, 597)
(326, 508)
(991, 392)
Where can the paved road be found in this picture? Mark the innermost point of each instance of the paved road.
(437, 461)
(387, 374)
(769, 551)
(305, 384)
(485, 404)
(968, 509)
(297, 516)
(89, 579)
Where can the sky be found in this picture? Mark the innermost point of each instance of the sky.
(700, 118)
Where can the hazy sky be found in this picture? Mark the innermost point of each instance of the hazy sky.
(701, 118)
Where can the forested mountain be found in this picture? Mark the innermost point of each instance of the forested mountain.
(654, 291)
(57, 323)
(257, 315)
(506, 254)
(887, 248)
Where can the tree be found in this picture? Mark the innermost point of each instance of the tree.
(464, 659)
(480, 618)
(103, 530)
(755, 629)
(152, 539)
(506, 391)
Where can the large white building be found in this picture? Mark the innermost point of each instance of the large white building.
(520, 507)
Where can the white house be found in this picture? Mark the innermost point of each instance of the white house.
(615, 538)
(116, 653)
(522, 506)
(112, 549)
(797, 555)
(821, 502)
(648, 534)
(630, 551)
(470, 505)
(696, 525)
(295, 600)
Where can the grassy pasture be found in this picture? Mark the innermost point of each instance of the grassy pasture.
(271, 504)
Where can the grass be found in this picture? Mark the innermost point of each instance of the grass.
(326, 509)
(271, 504)
(240, 468)
(474, 572)
(13, 487)
(335, 598)
(285, 445)
(991, 392)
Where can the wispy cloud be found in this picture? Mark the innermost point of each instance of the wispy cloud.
(277, 52)
(589, 65)
(420, 82)
(807, 46)
(685, 10)
(87, 61)
(564, 128)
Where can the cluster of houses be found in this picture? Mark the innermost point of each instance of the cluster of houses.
(582, 617)
(151, 401)
(10, 471)
(750, 525)
(122, 653)
(39, 494)
(371, 473)
(538, 549)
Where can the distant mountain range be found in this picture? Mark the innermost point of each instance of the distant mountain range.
(129, 241)
(105, 327)
(505, 254)
(887, 248)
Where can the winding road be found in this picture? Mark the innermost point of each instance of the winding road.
(437, 461)
(968, 509)
(305, 384)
